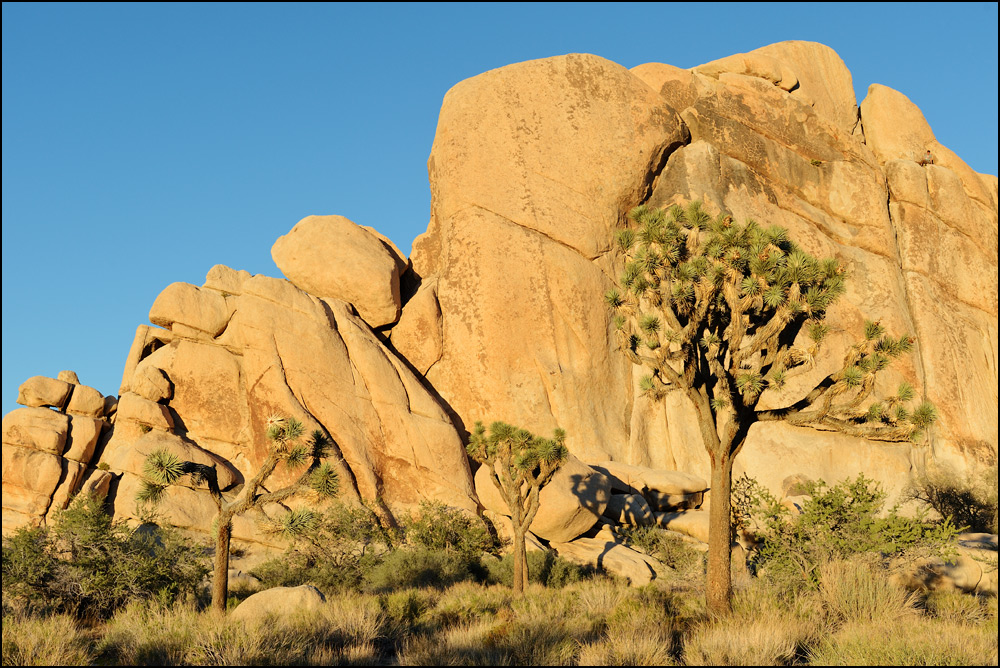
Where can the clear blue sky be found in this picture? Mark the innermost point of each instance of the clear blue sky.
(143, 144)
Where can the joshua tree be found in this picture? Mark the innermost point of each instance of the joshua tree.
(163, 468)
(714, 309)
(519, 464)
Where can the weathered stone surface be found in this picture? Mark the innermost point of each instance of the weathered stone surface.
(150, 383)
(144, 412)
(629, 509)
(972, 571)
(70, 476)
(332, 257)
(133, 459)
(660, 501)
(96, 482)
(290, 353)
(418, 335)
(280, 603)
(568, 505)
(69, 377)
(204, 311)
(505, 531)
(147, 340)
(226, 280)
(643, 479)
(36, 428)
(84, 432)
(29, 479)
(692, 523)
(85, 401)
(39, 391)
(531, 166)
(613, 557)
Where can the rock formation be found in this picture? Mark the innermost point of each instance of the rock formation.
(499, 315)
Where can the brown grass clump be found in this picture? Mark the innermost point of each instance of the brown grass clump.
(45, 641)
(912, 641)
(854, 591)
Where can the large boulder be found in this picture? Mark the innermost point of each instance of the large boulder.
(531, 167)
(331, 257)
(279, 603)
(610, 556)
(569, 505)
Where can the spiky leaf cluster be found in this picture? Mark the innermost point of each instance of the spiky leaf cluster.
(518, 447)
(714, 306)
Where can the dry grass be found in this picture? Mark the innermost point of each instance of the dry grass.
(855, 617)
(47, 641)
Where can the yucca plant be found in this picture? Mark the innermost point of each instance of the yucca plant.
(519, 464)
(718, 306)
(285, 445)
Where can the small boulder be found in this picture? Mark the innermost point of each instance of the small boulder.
(69, 377)
(143, 411)
(279, 602)
(204, 311)
(36, 428)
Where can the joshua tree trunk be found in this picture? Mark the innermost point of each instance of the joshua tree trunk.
(520, 562)
(220, 576)
(719, 582)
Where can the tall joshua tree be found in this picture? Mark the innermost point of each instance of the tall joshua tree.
(519, 464)
(714, 309)
(284, 436)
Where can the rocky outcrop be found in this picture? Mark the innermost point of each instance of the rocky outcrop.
(513, 266)
(49, 447)
(500, 314)
(205, 393)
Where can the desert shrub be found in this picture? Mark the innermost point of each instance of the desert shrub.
(437, 527)
(910, 641)
(545, 568)
(346, 542)
(970, 502)
(89, 564)
(667, 548)
(53, 640)
(765, 640)
(835, 524)
(421, 567)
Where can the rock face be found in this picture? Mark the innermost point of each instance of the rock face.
(46, 452)
(514, 264)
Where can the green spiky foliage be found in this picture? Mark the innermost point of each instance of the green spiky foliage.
(714, 308)
(519, 464)
(287, 447)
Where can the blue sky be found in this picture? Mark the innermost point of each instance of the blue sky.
(143, 144)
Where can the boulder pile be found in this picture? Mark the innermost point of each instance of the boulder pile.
(499, 313)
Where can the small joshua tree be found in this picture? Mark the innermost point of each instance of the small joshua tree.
(163, 468)
(714, 308)
(519, 464)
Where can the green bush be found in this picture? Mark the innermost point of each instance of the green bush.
(668, 549)
(545, 568)
(346, 542)
(837, 523)
(438, 527)
(421, 567)
(89, 564)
